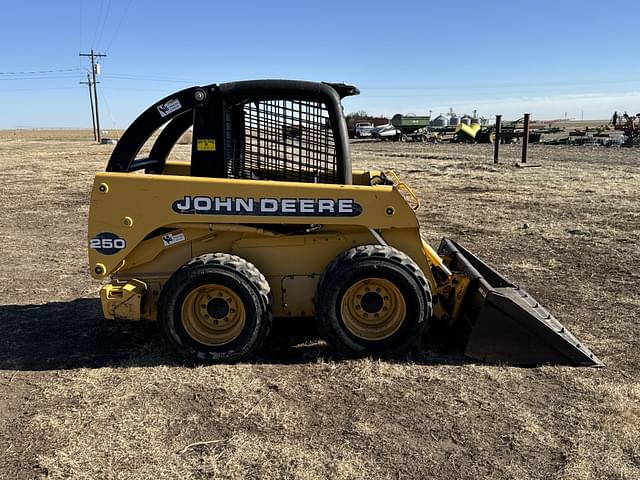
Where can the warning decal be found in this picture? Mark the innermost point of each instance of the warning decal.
(172, 238)
(206, 145)
(168, 107)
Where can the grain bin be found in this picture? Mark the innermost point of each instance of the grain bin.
(440, 121)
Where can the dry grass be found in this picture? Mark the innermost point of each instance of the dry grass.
(85, 398)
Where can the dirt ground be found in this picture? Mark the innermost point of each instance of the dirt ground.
(84, 398)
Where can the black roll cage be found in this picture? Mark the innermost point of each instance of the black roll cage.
(204, 108)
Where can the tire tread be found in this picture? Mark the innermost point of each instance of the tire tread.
(382, 253)
(236, 266)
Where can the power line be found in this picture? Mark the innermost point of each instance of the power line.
(130, 89)
(50, 77)
(36, 89)
(37, 72)
(507, 85)
(104, 99)
(81, 21)
(97, 26)
(104, 22)
(150, 79)
(155, 77)
(117, 30)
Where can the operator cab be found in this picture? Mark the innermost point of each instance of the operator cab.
(282, 130)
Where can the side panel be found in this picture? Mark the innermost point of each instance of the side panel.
(157, 238)
(126, 208)
(293, 265)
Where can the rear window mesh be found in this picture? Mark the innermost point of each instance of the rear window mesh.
(287, 140)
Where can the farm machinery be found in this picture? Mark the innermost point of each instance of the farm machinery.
(630, 125)
(268, 219)
(411, 127)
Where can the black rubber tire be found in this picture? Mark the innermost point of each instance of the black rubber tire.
(233, 272)
(373, 261)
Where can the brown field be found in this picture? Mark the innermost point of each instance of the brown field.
(84, 398)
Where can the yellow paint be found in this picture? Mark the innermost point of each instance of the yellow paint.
(469, 131)
(208, 326)
(122, 299)
(206, 144)
(291, 262)
(377, 323)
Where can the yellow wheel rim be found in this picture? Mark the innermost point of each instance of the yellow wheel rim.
(213, 314)
(373, 309)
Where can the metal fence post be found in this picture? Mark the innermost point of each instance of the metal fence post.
(496, 145)
(525, 138)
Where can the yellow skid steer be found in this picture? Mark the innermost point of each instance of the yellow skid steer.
(268, 219)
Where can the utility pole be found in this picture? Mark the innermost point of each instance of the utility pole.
(93, 115)
(93, 56)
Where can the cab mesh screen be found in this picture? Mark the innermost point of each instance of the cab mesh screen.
(287, 140)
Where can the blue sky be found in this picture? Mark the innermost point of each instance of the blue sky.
(546, 57)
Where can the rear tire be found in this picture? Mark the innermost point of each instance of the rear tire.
(373, 299)
(215, 308)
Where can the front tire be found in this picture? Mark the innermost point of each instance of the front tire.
(373, 299)
(215, 309)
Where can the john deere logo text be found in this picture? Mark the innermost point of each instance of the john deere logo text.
(300, 207)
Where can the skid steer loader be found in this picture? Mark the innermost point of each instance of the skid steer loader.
(269, 219)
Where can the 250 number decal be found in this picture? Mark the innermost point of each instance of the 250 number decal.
(107, 243)
(98, 243)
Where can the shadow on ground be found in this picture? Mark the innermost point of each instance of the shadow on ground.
(73, 334)
(65, 335)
